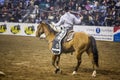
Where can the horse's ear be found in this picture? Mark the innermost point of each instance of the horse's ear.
(49, 22)
(41, 22)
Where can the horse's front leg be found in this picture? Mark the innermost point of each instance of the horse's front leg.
(55, 62)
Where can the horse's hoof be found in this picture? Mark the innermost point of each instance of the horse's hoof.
(94, 74)
(2, 74)
(74, 72)
(56, 71)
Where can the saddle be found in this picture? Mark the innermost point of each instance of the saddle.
(68, 36)
(60, 38)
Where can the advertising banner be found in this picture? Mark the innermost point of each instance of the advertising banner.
(23, 29)
(117, 33)
(100, 33)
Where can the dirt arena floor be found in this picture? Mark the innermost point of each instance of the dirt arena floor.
(28, 58)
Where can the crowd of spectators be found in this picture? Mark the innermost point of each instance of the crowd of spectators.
(95, 12)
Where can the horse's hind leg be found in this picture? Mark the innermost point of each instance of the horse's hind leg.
(93, 53)
(55, 62)
(90, 54)
(79, 60)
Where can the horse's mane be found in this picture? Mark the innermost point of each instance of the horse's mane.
(51, 29)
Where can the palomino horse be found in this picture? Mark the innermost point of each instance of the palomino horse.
(80, 43)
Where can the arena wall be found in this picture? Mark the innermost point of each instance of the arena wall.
(28, 29)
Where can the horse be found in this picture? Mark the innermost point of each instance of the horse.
(80, 43)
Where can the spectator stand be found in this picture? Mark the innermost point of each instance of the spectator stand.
(96, 13)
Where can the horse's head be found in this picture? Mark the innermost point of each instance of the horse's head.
(40, 30)
(44, 27)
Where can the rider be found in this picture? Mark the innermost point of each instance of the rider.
(66, 21)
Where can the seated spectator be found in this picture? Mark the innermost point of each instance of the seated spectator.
(111, 4)
(17, 17)
(117, 9)
(85, 20)
(96, 20)
(117, 22)
(109, 19)
(4, 12)
(88, 6)
(10, 17)
(96, 6)
(91, 20)
(102, 19)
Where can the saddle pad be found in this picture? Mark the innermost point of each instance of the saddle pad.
(56, 47)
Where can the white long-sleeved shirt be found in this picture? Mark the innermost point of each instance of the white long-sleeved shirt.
(68, 20)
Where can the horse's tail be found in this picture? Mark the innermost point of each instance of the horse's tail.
(94, 50)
